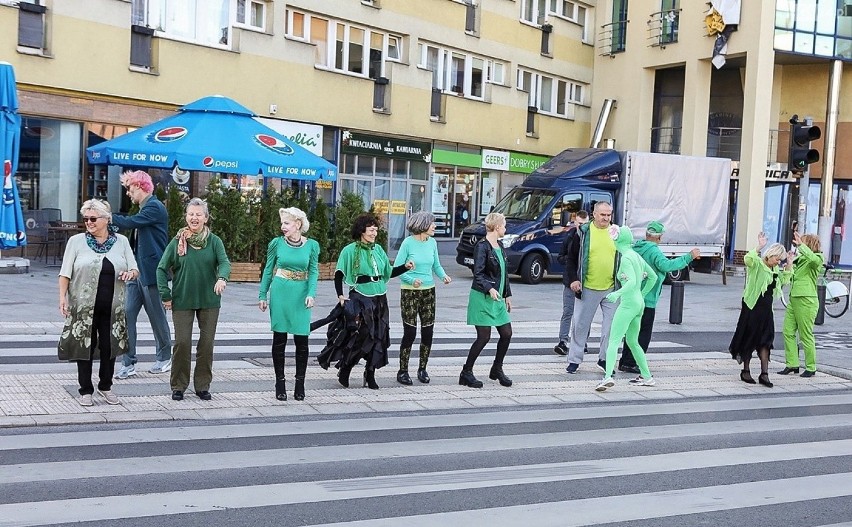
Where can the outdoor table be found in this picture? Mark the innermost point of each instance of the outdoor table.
(61, 232)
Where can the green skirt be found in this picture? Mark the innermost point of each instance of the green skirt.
(483, 311)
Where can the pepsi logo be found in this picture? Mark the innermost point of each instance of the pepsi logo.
(167, 135)
(274, 144)
(208, 161)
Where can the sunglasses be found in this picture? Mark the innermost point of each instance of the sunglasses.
(91, 219)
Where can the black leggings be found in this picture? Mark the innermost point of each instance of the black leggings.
(408, 335)
(483, 335)
(100, 341)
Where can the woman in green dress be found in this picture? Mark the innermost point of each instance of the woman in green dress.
(490, 302)
(290, 283)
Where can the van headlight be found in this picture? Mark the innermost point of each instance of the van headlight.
(509, 239)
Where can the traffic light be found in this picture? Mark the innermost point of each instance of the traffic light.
(801, 154)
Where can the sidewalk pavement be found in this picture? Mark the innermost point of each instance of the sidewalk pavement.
(244, 389)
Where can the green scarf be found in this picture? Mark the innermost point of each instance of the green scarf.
(197, 240)
(356, 262)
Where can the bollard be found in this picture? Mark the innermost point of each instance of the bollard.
(676, 304)
(820, 316)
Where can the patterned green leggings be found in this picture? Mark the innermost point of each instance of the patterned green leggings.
(417, 303)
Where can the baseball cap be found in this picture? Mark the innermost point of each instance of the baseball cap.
(656, 227)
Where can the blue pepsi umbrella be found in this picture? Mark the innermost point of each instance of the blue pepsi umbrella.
(13, 232)
(213, 134)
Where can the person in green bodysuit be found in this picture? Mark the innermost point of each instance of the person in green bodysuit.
(637, 278)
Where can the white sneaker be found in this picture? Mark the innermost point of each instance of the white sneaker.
(109, 397)
(161, 366)
(86, 400)
(641, 381)
(126, 371)
(607, 382)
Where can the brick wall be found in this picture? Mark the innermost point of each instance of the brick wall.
(90, 108)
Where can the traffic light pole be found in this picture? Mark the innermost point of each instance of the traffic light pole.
(804, 184)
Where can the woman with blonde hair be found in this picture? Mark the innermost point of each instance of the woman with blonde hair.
(489, 302)
(756, 327)
(288, 288)
(802, 310)
(95, 267)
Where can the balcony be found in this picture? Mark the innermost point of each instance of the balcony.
(663, 27)
(613, 38)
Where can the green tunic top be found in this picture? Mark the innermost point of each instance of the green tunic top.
(482, 310)
(287, 309)
(193, 275)
(371, 262)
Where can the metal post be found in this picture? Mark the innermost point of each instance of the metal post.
(831, 116)
(820, 316)
(676, 303)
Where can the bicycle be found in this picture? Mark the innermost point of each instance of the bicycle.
(836, 293)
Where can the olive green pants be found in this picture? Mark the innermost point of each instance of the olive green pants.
(182, 352)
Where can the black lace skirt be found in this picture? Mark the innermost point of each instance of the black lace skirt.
(755, 328)
(361, 330)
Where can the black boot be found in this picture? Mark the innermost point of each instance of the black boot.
(467, 379)
(343, 375)
(301, 368)
(422, 376)
(402, 377)
(370, 379)
(279, 344)
(498, 375)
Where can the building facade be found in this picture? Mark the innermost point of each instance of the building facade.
(437, 105)
(685, 97)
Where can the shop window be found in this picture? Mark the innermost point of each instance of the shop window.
(31, 22)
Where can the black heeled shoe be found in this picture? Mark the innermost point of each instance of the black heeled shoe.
(403, 378)
(343, 376)
(498, 375)
(763, 379)
(299, 390)
(746, 377)
(370, 379)
(788, 371)
(467, 379)
(281, 390)
(423, 377)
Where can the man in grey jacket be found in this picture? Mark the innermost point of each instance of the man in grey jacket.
(149, 241)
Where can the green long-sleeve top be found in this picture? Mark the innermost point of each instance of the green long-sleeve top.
(193, 275)
(759, 276)
(806, 269)
(651, 253)
(424, 254)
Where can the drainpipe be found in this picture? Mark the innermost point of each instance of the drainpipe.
(607, 107)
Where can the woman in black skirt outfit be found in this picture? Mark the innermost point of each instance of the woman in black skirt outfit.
(756, 326)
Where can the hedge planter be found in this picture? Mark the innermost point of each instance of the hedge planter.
(326, 270)
(246, 272)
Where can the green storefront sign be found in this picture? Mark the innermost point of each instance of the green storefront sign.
(354, 143)
(459, 159)
(525, 163)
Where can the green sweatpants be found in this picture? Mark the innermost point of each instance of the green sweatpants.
(800, 319)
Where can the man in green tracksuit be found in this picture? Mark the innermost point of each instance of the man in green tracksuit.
(649, 250)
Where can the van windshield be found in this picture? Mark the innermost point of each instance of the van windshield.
(525, 203)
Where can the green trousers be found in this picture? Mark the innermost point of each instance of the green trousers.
(800, 319)
(182, 352)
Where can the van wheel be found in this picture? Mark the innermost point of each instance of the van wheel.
(532, 269)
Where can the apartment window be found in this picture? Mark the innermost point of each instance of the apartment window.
(534, 11)
(251, 13)
(458, 72)
(205, 22)
(356, 50)
(31, 24)
(550, 95)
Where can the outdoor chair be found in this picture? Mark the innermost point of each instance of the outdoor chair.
(39, 235)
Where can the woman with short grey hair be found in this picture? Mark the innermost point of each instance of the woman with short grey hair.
(417, 295)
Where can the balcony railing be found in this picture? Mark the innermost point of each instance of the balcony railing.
(721, 142)
(663, 27)
(613, 38)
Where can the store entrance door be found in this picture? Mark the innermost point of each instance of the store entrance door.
(464, 194)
